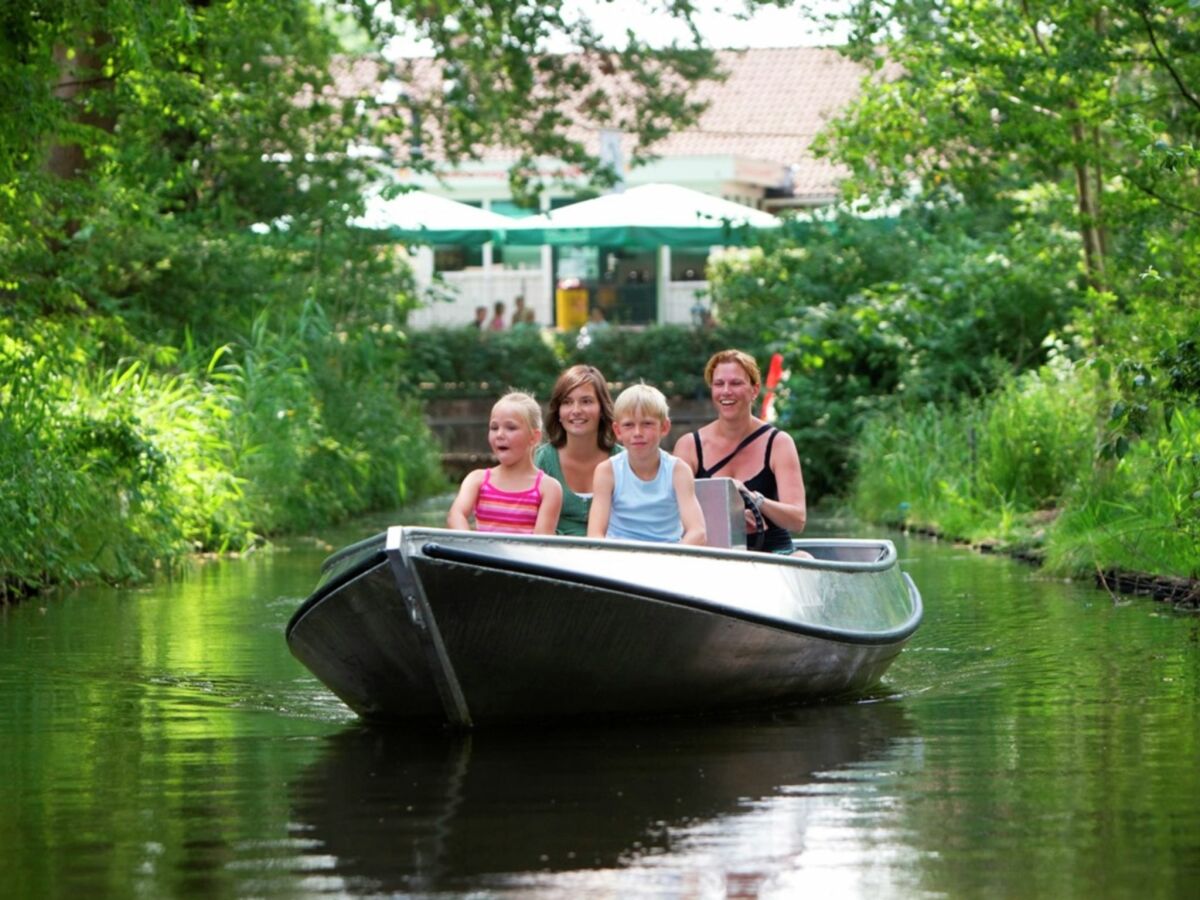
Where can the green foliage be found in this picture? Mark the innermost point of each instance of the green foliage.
(113, 472)
(931, 306)
(181, 380)
(670, 357)
(86, 488)
(464, 362)
(1140, 513)
(981, 468)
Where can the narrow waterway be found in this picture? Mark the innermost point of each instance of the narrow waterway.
(1035, 739)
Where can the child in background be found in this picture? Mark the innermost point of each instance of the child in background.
(514, 496)
(642, 494)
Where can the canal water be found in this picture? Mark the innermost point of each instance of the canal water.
(1035, 739)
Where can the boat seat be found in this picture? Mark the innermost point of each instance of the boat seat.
(722, 507)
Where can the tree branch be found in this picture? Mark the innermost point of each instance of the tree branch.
(1162, 58)
(1150, 192)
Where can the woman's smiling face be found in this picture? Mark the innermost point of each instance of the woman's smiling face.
(732, 389)
(579, 411)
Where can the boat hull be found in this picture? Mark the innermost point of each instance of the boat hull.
(441, 629)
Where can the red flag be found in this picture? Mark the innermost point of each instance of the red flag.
(774, 373)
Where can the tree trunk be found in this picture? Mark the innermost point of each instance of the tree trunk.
(80, 72)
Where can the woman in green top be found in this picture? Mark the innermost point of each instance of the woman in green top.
(579, 431)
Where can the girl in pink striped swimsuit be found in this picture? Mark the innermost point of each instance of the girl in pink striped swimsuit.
(515, 496)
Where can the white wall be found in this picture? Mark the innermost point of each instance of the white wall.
(473, 287)
(465, 290)
(681, 297)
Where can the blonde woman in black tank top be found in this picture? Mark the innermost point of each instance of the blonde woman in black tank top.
(753, 453)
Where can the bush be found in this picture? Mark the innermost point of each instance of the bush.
(463, 362)
(935, 305)
(983, 468)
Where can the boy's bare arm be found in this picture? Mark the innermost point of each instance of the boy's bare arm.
(691, 516)
(602, 488)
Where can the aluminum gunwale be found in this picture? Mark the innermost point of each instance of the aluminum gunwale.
(886, 561)
(539, 570)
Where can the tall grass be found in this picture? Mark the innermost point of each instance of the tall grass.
(1021, 467)
(982, 470)
(84, 485)
(1140, 513)
(111, 472)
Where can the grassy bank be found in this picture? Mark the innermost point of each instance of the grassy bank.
(1024, 469)
(111, 471)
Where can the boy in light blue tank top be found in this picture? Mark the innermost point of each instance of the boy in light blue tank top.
(641, 494)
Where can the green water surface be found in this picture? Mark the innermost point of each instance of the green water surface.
(1035, 739)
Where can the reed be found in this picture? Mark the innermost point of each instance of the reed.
(114, 472)
(1140, 513)
(982, 469)
(1021, 468)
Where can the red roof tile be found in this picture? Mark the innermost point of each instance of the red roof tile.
(770, 107)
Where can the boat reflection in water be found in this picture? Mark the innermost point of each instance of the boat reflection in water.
(404, 811)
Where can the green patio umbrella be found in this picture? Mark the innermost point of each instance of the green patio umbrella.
(420, 217)
(652, 215)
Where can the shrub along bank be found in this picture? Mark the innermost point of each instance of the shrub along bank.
(1019, 471)
(111, 471)
(947, 372)
(463, 362)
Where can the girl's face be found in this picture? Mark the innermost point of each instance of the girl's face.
(732, 391)
(510, 436)
(579, 411)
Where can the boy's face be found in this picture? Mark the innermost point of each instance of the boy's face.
(640, 430)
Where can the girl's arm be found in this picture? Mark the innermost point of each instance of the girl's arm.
(550, 507)
(691, 516)
(602, 490)
(459, 516)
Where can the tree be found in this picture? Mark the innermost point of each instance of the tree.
(500, 78)
(992, 97)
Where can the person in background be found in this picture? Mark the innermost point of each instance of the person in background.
(579, 437)
(645, 494)
(596, 320)
(756, 455)
(519, 311)
(480, 318)
(513, 496)
(497, 323)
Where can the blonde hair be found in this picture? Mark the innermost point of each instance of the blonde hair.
(523, 404)
(642, 398)
(745, 360)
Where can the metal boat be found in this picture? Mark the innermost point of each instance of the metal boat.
(463, 628)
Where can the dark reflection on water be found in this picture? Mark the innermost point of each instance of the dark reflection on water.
(1035, 739)
(401, 812)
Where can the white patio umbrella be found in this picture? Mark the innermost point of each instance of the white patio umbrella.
(427, 218)
(653, 215)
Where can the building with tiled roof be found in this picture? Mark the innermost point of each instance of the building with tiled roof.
(751, 145)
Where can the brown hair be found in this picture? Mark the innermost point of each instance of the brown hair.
(745, 360)
(574, 377)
